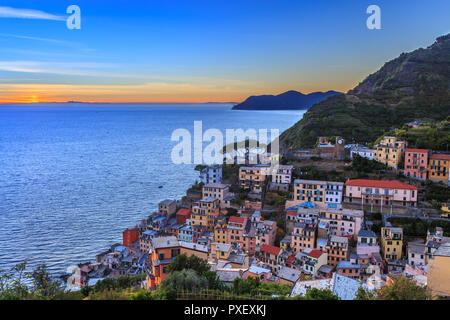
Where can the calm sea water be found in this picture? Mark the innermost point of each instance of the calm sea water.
(73, 177)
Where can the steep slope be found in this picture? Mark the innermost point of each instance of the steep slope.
(290, 100)
(415, 85)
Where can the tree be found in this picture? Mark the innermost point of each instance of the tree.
(320, 294)
(364, 294)
(403, 289)
(183, 280)
(195, 263)
(44, 287)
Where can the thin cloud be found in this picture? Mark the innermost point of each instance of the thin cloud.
(37, 39)
(8, 12)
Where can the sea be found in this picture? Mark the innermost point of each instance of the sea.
(74, 176)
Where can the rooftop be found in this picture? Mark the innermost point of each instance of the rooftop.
(270, 249)
(380, 184)
(366, 233)
(165, 242)
(289, 274)
(167, 202)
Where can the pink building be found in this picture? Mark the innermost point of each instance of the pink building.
(236, 229)
(416, 163)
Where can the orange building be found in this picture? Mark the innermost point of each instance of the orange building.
(303, 236)
(205, 212)
(439, 167)
(129, 236)
(162, 253)
(416, 163)
(337, 250)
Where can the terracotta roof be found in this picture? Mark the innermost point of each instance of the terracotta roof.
(291, 213)
(417, 150)
(270, 249)
(315, 253)
(234, 219)
(439, 156)
(184, 212)
(290, 259)
(380, 184)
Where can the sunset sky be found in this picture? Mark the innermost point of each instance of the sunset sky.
(200, 51)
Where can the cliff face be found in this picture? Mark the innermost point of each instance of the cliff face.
(290, 100)
(414, 85)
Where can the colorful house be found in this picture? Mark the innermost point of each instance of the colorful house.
(270, 256)
(182, 215)
(218, 191)
(236, 229)
(205, 212)
(311, 260)
(337, 250)
(129, 236)
(380, 193)
(390, 151)
(167, 207)
(416, 163)
(163, 252)
(391, 243)
(253, 177)
(439, 167)
(321, 193)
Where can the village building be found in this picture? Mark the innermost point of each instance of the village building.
(303, 237)
(321, 193)
(439, 271)
(391, 243)
(337, 250)
(183, 215)
(236, 229)
(221, 230)
(342, 222)
(218, 191)
(311, 260)
(269, 256)
(163, 250)
(416, 163)
(439, 167)
(253, 177)
(362, 151)
(380, 194)
(288, 276)
(260, 273)
(390, 151)
(205, 212)
(367, 243)
(211, 174)
(282, 174)
(167, 207)
(130, 236)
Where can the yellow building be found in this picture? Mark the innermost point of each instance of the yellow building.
(391, 243)
(205, 212)
(220, 251)
(445, 209)
(220, 231)
(253, 177)
(311, 191)
(439, 167)
(390, 151)
(439, 271)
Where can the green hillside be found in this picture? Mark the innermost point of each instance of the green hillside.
(415, 85)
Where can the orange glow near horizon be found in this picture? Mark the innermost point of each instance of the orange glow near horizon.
(141, 93)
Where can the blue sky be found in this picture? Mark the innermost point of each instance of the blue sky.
(203, 50)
